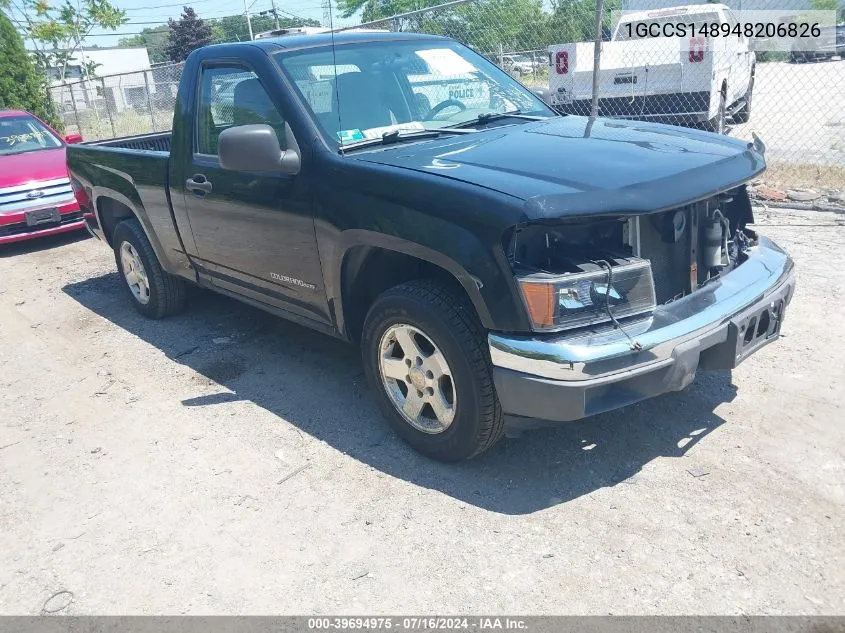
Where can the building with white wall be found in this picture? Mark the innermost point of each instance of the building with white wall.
(119, 78)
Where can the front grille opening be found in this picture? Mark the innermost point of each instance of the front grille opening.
(694, 245)
(687, 247)
(42, 194)
(21, 228)
(763, 324)
(749, 330)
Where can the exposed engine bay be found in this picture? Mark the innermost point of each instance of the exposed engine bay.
(687, 247)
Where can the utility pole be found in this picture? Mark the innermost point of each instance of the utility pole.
(327, 14)
(594, 106)
(275, 13)
(248, 21)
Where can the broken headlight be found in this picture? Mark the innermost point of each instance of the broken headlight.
(572, 300)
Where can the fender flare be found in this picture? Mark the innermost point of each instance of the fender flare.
(353, 238)
(127, 195)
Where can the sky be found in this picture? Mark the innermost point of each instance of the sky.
(149, 13)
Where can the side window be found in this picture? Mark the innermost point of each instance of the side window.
(231, 96)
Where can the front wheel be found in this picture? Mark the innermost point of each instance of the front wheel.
(744, 114)
(426, 360)
(154, 292)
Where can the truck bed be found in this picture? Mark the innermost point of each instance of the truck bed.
(134, 172)
(156, 142)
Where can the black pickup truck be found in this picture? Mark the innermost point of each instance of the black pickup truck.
(493, 259)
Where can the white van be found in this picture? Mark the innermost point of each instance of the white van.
(690, 79)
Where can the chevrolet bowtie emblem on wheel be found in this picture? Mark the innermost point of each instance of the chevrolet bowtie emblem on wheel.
(35, 193)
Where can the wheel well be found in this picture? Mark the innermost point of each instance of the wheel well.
(111, 213)
(368, 271)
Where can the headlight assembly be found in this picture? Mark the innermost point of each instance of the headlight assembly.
(572, 300)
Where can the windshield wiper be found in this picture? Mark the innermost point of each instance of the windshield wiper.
(398, 136)
(487, 117)
(26, 151)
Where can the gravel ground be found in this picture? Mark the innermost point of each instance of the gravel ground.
(146, 468)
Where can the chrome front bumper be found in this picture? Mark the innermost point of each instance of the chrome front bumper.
(569, 376)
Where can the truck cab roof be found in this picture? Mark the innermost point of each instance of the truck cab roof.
(314, 40)
(308, 30)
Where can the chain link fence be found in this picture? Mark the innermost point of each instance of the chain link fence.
(791, 96)
(112, 106)
(790, 91)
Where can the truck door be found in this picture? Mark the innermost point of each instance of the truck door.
(254, 232)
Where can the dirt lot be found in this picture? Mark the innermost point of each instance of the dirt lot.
(146, 468)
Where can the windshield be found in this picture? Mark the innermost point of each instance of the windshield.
(382, 87)
(20, 134)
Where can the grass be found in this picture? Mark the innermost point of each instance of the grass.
(128, 122)
(804, 176)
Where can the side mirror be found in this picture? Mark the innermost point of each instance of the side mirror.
(256, 148)
(72, 139)
(544, 94)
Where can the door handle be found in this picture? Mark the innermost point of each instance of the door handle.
(198, 184)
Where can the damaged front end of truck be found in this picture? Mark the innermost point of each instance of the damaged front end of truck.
(625, 307)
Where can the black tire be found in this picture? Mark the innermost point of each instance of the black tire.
(447, 317)
(166, 292)
(719, 123)
(743, 115)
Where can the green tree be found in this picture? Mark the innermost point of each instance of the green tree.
(186, 34)
(575, 20)
(830, 5)
(58, 31)
(233, 28)
(486, 25)
(154, 39)
(375, 9)
(21, 87)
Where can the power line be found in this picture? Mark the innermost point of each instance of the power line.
(227, 14)
(182, 4)
(113, 34)
(164, 6)
(164, 23)
(127, 34)
(206, 16)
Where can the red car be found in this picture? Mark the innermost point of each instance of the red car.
(36, 197)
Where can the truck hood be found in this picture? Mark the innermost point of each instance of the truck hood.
(45, 164)
(573, 166)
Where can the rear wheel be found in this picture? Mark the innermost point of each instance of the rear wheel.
(719, 124)
(426, 360)
(154, 292)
